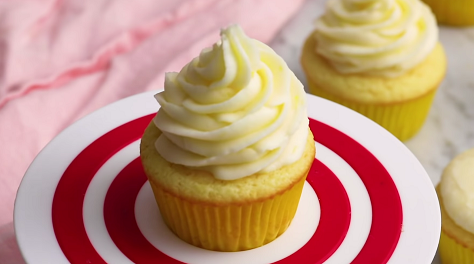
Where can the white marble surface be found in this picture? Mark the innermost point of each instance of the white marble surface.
(449, 128)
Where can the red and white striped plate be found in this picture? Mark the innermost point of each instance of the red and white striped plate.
(85, 198)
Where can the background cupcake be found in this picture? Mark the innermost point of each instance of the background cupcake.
(380, 58)
(229, 151)
(456, 196)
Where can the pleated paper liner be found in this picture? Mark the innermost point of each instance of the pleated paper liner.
(453, 12)
(229, 227)
(402, 119)
(452, 245)
(451, 251)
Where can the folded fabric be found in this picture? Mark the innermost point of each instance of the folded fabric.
(62, 59)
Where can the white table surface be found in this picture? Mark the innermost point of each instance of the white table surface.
(449, 128)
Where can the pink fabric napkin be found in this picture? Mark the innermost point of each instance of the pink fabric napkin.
(62, 59)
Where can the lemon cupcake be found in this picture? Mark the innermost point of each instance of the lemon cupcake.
(229, 151)
(456, 197)
(453, 12)
(381, 58)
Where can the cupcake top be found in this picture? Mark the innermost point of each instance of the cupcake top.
(235, 110)
(376, 37)
(457, 190)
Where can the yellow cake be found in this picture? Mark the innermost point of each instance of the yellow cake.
(456, 196)
(366, 65)
(453, 12)
(229, 151)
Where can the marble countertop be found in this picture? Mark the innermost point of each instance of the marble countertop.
(449, 128)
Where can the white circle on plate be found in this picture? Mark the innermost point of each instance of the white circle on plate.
(299, 232)
(93, 208)
(361, 208)
(95, 196)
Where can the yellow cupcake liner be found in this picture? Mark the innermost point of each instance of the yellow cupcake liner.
(453, 12)
(402, 119)
(451, 252)
(229, 227)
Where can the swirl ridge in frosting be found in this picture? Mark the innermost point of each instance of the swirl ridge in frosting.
(235, 110)
(376, 37)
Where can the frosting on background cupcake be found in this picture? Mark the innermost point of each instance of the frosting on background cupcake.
(376, 37)
(457, 190)
(235, 110)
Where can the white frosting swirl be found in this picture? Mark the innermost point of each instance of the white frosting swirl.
(457, 190)
(376, 37)
(235, 110)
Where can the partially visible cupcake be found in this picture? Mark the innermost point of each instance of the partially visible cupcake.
(453, 12)
(229, 151)
(381, 58)
(456, 197)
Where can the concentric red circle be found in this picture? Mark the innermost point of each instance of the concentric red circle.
(68, 198)
(119, 216)
(387, 215)
(120, 219)
(335, 208)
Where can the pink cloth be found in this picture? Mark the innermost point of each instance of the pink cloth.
(62, 59)
(9, 251)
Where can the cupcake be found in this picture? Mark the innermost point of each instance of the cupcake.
(456, 197)
(381, 58)
(229, 151)
(453, 12)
